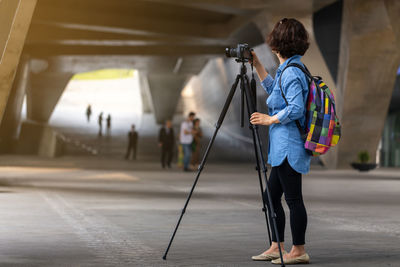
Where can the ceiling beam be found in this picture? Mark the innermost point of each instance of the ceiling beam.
(50, 33)
(236, 7)
(191, 64)
(46, 50)
(158, 10)
(141, 24)
(240, 7)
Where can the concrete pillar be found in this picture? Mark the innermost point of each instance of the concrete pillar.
(15, 18)
(165, 92)
(43, 94)
(147, 105)
(393, 11)
(12, 115)
(369, 58)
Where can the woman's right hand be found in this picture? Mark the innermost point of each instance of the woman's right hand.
(256, 62)
(261, 72)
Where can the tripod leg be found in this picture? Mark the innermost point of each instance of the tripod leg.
(264, 209)
(261, 186)
(251, 109)
(203, 161)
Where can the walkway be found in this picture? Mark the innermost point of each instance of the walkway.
(94, 212)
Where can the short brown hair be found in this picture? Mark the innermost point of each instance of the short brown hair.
(289, 38)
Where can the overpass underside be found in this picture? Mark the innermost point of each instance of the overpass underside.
(179, 44)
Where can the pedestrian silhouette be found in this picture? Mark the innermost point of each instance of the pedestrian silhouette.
(166, 139)
(108, 120)
(132, 143)
(100, 122)
(88, 112)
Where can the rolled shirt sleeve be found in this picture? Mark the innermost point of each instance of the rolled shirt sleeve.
(267, 84)
(292, 88)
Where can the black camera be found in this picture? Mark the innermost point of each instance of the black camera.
(242, 52)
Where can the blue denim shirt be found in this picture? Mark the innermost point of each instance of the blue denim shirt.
(284, 137)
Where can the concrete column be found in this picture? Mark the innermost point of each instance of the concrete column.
(369, 58)
(165, 92)
(147, 105)
(15, 18)
(12, 115)
(43, 94)
(393, 11)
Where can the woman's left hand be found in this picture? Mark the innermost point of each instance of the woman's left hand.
(258, 118)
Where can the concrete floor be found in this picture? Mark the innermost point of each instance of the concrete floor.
(98, 212)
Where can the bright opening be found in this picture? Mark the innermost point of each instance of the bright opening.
(111, 91)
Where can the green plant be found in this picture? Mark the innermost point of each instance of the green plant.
(363, 156)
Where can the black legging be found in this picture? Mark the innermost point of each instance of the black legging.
(283, 179)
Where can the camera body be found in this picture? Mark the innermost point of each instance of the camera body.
(242, 52)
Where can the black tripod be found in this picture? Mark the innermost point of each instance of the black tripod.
(249, 95)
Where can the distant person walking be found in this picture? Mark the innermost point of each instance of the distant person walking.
(100, 122)
(196, 145)
(108, 121)
(186, 139)
(88, 112)
(132, 143)
(166, 139)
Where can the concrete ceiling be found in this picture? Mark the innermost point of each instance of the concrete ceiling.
(154, 33)
(148, 35)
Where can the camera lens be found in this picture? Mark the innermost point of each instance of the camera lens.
(228, 52)
(231, 52)
(242, 52)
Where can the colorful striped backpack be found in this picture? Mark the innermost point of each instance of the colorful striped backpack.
(322, 124)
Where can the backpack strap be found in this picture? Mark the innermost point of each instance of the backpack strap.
(308, 74)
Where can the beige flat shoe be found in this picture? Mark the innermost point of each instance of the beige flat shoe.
(303, 259)
(267, 257)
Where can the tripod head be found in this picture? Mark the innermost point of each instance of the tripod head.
(243, 68)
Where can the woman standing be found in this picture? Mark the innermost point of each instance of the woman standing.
(286, 153)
